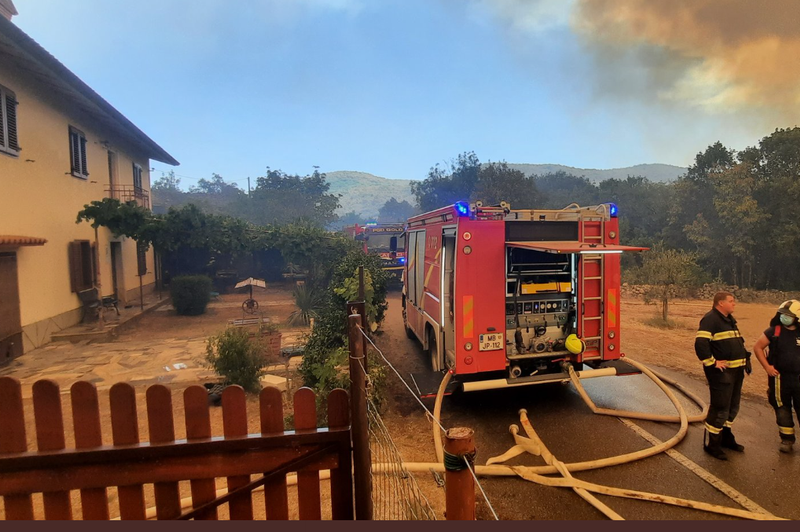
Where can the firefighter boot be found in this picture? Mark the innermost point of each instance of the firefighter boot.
(729, 442)
(714, 446)
(786, 446)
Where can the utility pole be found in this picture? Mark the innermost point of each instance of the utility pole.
(248, 186)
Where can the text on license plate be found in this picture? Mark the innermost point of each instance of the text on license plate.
(491, 342)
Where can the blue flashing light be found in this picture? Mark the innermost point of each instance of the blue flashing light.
(462, 208)
(613, 210)
(402, 260)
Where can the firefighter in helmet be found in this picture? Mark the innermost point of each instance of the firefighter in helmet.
(720, 347)
(781, 361)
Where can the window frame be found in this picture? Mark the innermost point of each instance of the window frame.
(6, 122)
(138, 177)
(81, 169)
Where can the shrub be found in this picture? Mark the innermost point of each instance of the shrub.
(190, 294)
(308, 303)
(236, 358)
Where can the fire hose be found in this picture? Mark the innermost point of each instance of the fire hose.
(534, 445)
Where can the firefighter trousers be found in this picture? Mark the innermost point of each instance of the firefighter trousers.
(726, 392)
(783, 394)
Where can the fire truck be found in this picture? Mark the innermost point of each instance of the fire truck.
(385, 239)
(501, 297)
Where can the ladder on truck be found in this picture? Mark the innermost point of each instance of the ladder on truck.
(591, 314)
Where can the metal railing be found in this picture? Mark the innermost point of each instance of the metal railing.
(126, 193)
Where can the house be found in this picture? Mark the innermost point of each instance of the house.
(61, 146)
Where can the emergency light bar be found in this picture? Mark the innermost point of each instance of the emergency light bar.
(462, 208)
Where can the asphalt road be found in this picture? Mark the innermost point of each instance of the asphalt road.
(573, 433)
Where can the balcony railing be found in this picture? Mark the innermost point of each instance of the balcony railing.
(126, 193)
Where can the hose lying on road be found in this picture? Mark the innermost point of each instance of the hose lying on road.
(534, 445)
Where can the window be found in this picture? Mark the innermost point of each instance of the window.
(81, 265)
(137, 176)
(112, 168)
(141, 257)
(9, 142)
(77, 153)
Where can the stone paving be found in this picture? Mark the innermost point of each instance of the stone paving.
(139, 361)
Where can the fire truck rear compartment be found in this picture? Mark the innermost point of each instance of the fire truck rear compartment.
(540, 311)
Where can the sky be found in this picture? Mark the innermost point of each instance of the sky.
(394, 87)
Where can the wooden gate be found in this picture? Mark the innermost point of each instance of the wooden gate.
(130, 465)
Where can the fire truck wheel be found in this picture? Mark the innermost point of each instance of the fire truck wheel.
(433, 352)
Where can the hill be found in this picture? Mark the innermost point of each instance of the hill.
(365, 193)
(661, 173)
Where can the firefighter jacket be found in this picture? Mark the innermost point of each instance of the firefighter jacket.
(718, 338)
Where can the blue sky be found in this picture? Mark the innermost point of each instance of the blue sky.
(391, 87)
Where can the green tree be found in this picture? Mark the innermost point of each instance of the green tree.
(166, 191)
(280, 198)
(560, 189)
(667, 271)
(446, 186)
(395, 211)
(497, 182)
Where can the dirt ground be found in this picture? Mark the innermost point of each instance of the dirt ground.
(411, 433)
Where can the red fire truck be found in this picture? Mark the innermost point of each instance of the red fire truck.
(496, 294)
(385, 239)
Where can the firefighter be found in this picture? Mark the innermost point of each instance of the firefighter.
(720, 347)
(782, 364)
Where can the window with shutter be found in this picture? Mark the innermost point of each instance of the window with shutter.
(9, 140)
(77, 153)
(81, 265)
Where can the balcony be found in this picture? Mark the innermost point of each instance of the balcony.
(126, 193)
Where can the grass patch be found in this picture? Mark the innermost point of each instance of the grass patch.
(659, 323)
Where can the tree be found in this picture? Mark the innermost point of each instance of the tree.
(560, 189)
(642, 206)
(667, 271)
(395, 211)
(497, 182)
(447, 186)
(166, 191)
(280, 198)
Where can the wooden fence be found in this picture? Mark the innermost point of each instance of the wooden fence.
(129, 464)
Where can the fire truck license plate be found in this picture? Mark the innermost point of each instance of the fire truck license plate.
(491, 342)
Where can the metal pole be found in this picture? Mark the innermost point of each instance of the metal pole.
(362, 460)
(141, 295)
(460, 497)
(363, 312)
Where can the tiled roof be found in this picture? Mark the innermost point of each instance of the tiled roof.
(12, 240)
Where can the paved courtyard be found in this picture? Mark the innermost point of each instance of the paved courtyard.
(158, 347)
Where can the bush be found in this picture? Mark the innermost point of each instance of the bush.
(190, 294)
(236, 358)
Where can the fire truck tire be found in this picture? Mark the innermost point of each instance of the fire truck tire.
(433, 351)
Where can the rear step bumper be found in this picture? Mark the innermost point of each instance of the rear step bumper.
(477, 386)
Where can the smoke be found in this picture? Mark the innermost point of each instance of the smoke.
(721, 55)
(726, 57)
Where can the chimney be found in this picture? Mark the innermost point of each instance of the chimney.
(7, 9)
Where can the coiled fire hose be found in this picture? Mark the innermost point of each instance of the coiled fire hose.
(534, 445)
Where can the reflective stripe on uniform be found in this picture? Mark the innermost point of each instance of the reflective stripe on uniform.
(737, 363)
(703, 334)
(727, 335)
(778, 391)
(709, 361)
(789, 431)
(712, 429)
(729, 424)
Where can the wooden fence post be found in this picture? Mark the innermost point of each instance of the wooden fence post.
(362, 474)
(460, 485)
